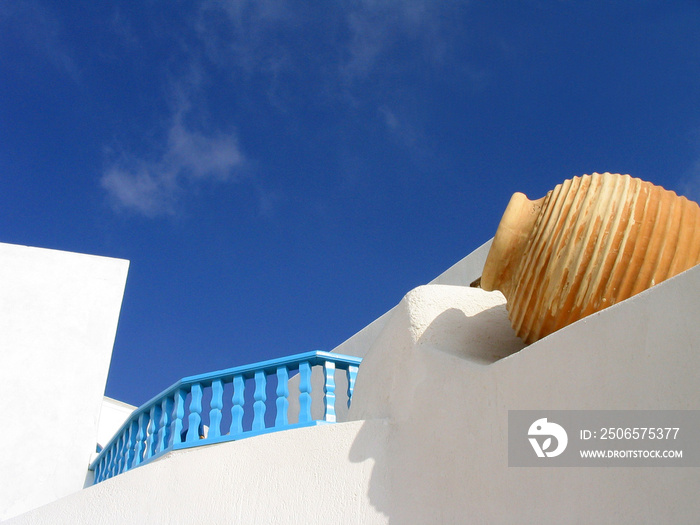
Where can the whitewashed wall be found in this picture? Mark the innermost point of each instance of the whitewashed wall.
(446, 456)
(301, 476)
(58, 319)
(113, 413)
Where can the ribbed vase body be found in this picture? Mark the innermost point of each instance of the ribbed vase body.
(589, 243)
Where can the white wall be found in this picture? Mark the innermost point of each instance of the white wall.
(113, 413)
(446, 455)
(58, 319)
(299, 476)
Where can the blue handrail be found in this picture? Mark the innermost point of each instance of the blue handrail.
(175, 418)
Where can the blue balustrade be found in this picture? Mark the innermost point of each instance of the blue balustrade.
(176, 419)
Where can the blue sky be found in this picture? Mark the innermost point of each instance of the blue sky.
(281, 173)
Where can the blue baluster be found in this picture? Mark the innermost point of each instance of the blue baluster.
(103, 468)
(152, 439)
(121, 452)
(131, 444)
(352, 376)
(115, 458)
(260, 396)
(150, 427)
(110, 462)
(126, 451)
(141, 439)
(113, 468)
(237, 409)
(329, 391)
(98, 471)
(166, 410)
(217, 403)
(304, 392)
(282, 392)
(105, 465)
(195, 417)
(176, 419)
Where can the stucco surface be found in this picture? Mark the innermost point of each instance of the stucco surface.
(300, 476)
(448, 408)
(113, 413)
(58, 319)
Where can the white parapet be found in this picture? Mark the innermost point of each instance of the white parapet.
(304, 476)
(58, 320)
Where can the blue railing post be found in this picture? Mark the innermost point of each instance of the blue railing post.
(260, 396)
(176, 420)
(152, 440)
(166, 410)
(352, 377)
(121, 454)
(217, 403)
(304, 392)
(329, 392)
(282, 395)
(109, 472)
(237, 409)
(131, 444)
(141, 439)
(195, 413)
(98, 471)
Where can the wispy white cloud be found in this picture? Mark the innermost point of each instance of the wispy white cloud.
(399, 126)
(390, 119)
(245, 33)
(375, 26)
(251, 13)
(261, 35)
(41, 29)
(189, 153)
(264, 39)
(139, 185)
(122, 29)
(153, 187)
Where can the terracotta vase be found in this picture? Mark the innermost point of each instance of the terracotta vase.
(591, 242)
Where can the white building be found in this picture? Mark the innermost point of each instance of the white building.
(424, 441)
